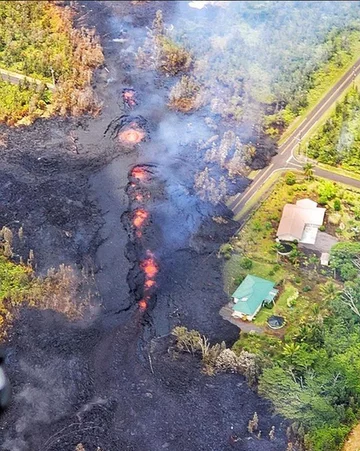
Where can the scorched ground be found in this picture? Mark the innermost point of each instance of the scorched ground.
(124, 205)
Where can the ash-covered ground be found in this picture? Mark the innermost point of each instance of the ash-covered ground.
(109, 380)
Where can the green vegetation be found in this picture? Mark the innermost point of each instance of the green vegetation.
(18, 101)
(162, 53)
(337, 142)
(303, 56)
(37, 39)
(311, 366)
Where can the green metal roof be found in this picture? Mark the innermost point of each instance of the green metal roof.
(251, 293)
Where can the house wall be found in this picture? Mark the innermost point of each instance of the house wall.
(246, 317)
(287, 238)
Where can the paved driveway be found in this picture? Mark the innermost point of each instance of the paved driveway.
(323, 243)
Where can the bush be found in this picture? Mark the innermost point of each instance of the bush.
(172, 57)
(246, 263)
(276, 268)
(307, 288)
(297, 279)
(337, 205)
(290, 178)
(322, 228)
(327, 438)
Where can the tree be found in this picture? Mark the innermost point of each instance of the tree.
(290, 178)
(351, 296)
(342, 256)
(329, 291)
(308, 169)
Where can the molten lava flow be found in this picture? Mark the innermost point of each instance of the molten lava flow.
(138, 173)
(129, 97)
(143, 304)
(131, 136)
(149, 266)
(140, 216)
(150, 283)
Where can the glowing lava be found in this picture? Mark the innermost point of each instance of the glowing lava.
(129, 97)
(131, 136)
(149, 266)
(150, 283)
(138, 173)
(140, 216)
(142, 304)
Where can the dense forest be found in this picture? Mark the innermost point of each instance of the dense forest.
(337, 142)
(262, 58)
(38, 39)
(313, 378)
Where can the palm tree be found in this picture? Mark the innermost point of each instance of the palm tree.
(329, 291)
(308, 170)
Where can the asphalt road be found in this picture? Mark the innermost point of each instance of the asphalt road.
(15, 78)
(285, 157)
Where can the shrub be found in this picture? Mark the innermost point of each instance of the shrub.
(297, 279)
(290, 178)
(327, 438)
(172, 58)
(307, 288)
(322, 228)
(337, 205)
(271, 272)
(239, 279)
(268, 226)
(246, 263)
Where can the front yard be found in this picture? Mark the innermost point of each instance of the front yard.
(299, 277)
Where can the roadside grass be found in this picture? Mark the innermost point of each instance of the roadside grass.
(325, 78)
(256, 240)
(253, 201)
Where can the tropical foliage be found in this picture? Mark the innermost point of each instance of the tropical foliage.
(37, 39)
(337, 142)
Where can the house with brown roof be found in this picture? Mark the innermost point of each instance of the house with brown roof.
(300, 222)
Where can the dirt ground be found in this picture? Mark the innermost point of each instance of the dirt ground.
(109, 381)
(353, 441)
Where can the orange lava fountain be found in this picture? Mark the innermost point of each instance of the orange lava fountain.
(138, 173)
(140, 216)
(150, 283)
(149, 266)
(131, 136)
(143, 304)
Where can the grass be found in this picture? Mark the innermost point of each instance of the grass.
(256, 241)
(254, 200)
(327, 77)
(233, 273)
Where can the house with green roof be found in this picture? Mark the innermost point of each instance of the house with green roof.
(251, 295)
